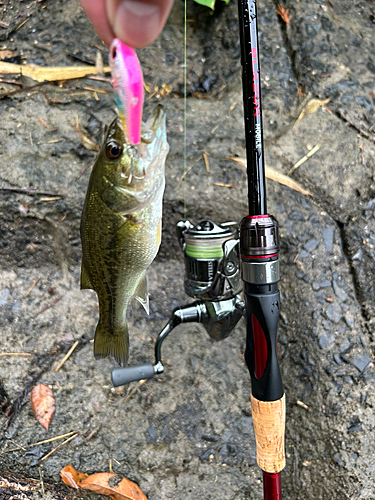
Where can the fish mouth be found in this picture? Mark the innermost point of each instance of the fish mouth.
(141, 197)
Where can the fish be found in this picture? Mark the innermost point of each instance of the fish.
(121, 227)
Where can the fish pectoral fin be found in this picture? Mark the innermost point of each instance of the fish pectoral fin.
(141, 294)
(125, 231)
(85, 280)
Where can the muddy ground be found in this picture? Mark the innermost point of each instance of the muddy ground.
(189, 434)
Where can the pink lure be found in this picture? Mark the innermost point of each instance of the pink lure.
(127, 81)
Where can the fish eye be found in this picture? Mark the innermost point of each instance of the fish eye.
(113, 150)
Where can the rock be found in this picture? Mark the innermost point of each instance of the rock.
(328, 238)
(325, 340)
(152, 434)
(334, 312)
(311, 245)
(245, 425)
(361, 361)
(339, 292)
(322, 284)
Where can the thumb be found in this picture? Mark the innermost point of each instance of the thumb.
(137, 22)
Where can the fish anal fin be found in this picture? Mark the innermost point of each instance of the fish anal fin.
(141, 293)
(85, 280)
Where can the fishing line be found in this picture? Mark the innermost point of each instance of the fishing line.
(185, 103)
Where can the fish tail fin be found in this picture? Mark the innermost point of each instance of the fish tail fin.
(108, 344)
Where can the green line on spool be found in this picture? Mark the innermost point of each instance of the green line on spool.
(212, 252)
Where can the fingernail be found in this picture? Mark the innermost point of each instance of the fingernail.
(134, 22)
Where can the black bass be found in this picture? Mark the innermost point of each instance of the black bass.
(121, 227)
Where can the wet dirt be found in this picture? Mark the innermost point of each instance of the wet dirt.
(189, 434)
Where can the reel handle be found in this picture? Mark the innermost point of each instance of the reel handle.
(122, 376)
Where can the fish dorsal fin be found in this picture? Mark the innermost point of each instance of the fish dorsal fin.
(141, 293)
(85, 280)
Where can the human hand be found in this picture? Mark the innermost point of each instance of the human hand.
(136, 23)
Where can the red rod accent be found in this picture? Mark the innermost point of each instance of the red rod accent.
(272, 486)
(260, 347)
(257, 216)
(259, 256)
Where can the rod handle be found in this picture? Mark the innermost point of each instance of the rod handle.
(269, 428)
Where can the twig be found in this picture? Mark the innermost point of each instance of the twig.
(51, 198)
(31, 288)
(305, 158)
(41, 481)
(42, 122)
(85, 168)
(24, 89)
(11, 82)
(93, 89)
(136, 388)
(92, 434)
(67, 356)
(52, 74)
(302, 405)
(80, 58)
(24, 354)
(354, 125)
(29, 191)
(52, 439)
(47, 307)
(187, 171)
(222, 184)
(205, 157)
(15, 449)
(23, 22)
(59, 446)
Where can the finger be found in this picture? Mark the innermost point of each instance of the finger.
(138, 22)
(96, 12)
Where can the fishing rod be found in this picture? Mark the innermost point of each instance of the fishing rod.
(259, 248)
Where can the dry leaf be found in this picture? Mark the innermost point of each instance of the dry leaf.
(103, 483)
(283, 13)
(72, 476)
(43, 404)
(276, 176)
(311, 107)
(117, 488)
(7, 54)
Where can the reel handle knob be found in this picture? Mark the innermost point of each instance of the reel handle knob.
(122, 376)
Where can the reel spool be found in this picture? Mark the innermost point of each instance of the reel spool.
(211, 259)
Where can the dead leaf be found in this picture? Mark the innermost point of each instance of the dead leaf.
(72, 476)
(311, 107)
(43, 404)
(276, 176)
(117, 488)
(7, 54)
(283, 13)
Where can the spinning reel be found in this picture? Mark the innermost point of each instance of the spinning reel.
(212, 276)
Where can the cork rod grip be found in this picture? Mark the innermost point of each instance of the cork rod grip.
(269, 427)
